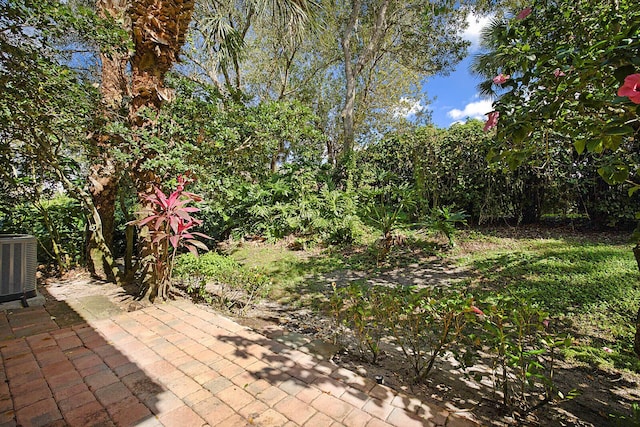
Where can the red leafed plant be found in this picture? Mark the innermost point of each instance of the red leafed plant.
(169, 225)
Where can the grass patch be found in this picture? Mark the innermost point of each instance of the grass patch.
(591, 288)
(294, 274)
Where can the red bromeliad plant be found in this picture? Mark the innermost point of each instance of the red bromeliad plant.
(169, 224)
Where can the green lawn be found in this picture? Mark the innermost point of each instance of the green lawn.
(591, 288)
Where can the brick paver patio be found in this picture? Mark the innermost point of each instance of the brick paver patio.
(176, 364)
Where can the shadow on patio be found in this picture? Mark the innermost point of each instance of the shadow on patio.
(66, 373)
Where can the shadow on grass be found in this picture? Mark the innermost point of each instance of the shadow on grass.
(306, 281)
(567, 277)
(563, 279)
(593, 289)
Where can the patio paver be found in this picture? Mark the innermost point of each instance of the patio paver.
(177, 364)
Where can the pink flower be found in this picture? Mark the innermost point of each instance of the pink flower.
(492, 120)
(477, 311)
(558, 73)
(631, 88)
(524, 13)
(545, 322)
(607, 350)
(501, 78)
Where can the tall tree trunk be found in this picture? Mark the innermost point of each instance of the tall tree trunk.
(158, 28)
(348, 112)
(355, 63)
(103, 187)
(105, 172)
(350, 74)
(331, 151)
(94, 220)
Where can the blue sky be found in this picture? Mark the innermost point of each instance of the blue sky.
(455, 97)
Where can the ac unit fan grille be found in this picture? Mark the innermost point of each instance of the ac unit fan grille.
(18, 264)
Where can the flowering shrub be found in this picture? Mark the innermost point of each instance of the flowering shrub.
(501, 78)
(631, 88)
(558, 73)
(492, 120)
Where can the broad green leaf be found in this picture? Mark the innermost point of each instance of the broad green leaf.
(614, 174)
(618, 130)
(612, 142)
(621, 72)
(595, 146)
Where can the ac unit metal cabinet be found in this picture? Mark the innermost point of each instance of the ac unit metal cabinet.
(18, 264)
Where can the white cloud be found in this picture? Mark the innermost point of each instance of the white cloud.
(473, 110)
(475, 25)
(408, 107)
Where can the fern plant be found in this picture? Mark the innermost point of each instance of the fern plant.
(444, 220)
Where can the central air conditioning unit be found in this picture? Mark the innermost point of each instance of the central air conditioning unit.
(18, 264)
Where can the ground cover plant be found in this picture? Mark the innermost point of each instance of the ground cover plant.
(591, 287)
(221, 281)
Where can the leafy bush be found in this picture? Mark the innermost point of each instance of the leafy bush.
(444, 220)
(513, 335)
(386, 210)
(58, 223)
(461, 165)
(292, 202)
(360, 308)
(220, 280)
(522, 347)
(423, 323)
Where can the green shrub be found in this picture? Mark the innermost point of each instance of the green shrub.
(523, 351)
(234, 287)
(444, 220)
(294, 201)
(57, 222)
(360, 307)
(425, 323)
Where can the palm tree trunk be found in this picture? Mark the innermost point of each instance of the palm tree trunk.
(158, 29)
